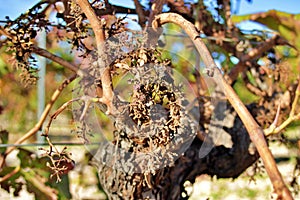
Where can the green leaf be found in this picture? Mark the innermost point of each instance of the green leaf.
(245, 95)
(37, 185)
(37, 174)
(63, 187)
(12, 182)
(3, 67)
(4, 140)
(286, 24)
(30, 159)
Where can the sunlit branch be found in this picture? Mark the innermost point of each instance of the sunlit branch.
(140, 13)
(274, 129)
(10, 174)
(57, 59)
(254, 130)
(47, 54)
(87, 101)
(97, 26)
(43, 117)
(57, 112)
(156, 8)
(254, 54)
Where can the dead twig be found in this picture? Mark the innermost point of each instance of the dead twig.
(39, 124)
(60, 163)
(57, 112)
(254, 54)
(156, 8)
(59, 60)
(254, 130)
(274, 129)
(47, 54)
(140, 13)
(10, 174)
(87, 102)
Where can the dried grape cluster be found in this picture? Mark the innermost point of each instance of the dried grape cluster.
(154, 102)
(20, 34)
(152, 128)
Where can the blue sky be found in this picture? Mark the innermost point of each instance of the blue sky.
(292, 6)
(12, 8)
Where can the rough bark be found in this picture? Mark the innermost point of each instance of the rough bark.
(167, 183)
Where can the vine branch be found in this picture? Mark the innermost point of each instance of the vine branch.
(255, 132)
(274, 129)
(57, 59)
(47, 54)
(140, 13)
(254, 54)
(96, 24)
(156, 9)
(42, 119)
(87, 101)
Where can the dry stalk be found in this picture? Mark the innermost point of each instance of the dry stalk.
(10, 174)
(256, 133)
(140, 13)
(156, 9)
(274, 129)
(253, 54)
(57, 112)
(47, 54)
(59, 60)
(42, 119)
(97, 26)
(87, 102)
